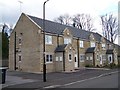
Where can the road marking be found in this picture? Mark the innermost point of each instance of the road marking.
(90, 78)
(55, 86)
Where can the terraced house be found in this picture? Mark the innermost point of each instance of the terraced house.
(66, 48)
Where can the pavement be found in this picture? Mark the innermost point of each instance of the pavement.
(17, 79)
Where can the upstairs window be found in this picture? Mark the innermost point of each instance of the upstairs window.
(81, 44)
(92, 44)
(103, 45)
(67, 40)
(48, 39)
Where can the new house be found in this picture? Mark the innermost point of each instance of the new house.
(66, 48)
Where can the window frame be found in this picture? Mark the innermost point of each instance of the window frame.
(67, 40)
(70, 57)
(81, 43)
(92, 44)
(82, 59)
(48, 58)
(48, 39)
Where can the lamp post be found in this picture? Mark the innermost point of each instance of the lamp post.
(44, 64)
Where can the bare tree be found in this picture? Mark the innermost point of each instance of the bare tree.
(79, 21)
(83, 21)
(63, 19)
(109, 26)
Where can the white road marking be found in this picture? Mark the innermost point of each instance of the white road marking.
(54, 86)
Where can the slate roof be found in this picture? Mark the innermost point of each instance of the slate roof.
(90, 50)
(109, 51)
(57, 28)
(60, 48)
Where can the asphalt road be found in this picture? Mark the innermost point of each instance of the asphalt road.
(82, 79)
(108, 81)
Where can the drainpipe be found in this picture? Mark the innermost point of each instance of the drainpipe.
(63, 60)
(93, 59)
(78, 51)
(15, 51)
(58, 40)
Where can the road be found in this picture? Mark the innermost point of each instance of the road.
(84, 78)
(108, 81)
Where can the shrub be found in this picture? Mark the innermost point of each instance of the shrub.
(88, 65)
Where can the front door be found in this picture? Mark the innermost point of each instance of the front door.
(101, 60)
(76, 61)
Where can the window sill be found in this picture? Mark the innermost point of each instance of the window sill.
(82, 61)
(49, 62)
(48, 44)
(81, 47)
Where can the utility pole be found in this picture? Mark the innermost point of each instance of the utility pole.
(44, 62)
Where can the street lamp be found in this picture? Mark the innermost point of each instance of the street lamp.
(44, 64)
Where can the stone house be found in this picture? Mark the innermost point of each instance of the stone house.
(66, 48)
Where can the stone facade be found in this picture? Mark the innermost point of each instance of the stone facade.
(29, 49)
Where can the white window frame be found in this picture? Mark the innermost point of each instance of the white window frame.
(49, 58)
(82, 59)
(81, 44)
(103, 45)
(48, 39)
(61, 58)
(87, 58)
(92, 44)
(69, 57)
(57, 58)
(20, 40)
(91, 57)
(67, 40)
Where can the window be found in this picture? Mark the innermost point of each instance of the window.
(48, 58)
(81, 44)
(19, 40)
(48, 39)
(70, 57)
(87, 58)
(82, 57)
(104, 57)
(92, 44)
(56, 58)
(67, 40)
(19, 58)
(91, 58)
(103, 46)
(97, 57)
(61, 59)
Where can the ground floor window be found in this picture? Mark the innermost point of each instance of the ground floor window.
(60, 58)
(70, 57)
(49, 58)
(110, 58)
(82, 57)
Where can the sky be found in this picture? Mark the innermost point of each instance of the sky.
(10, 10)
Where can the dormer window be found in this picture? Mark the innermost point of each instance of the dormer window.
(81, 44)
(103, 45)
(92, 44)
(67, 40)
(48, 39)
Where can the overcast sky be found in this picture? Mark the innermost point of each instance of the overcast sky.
(10, 10)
